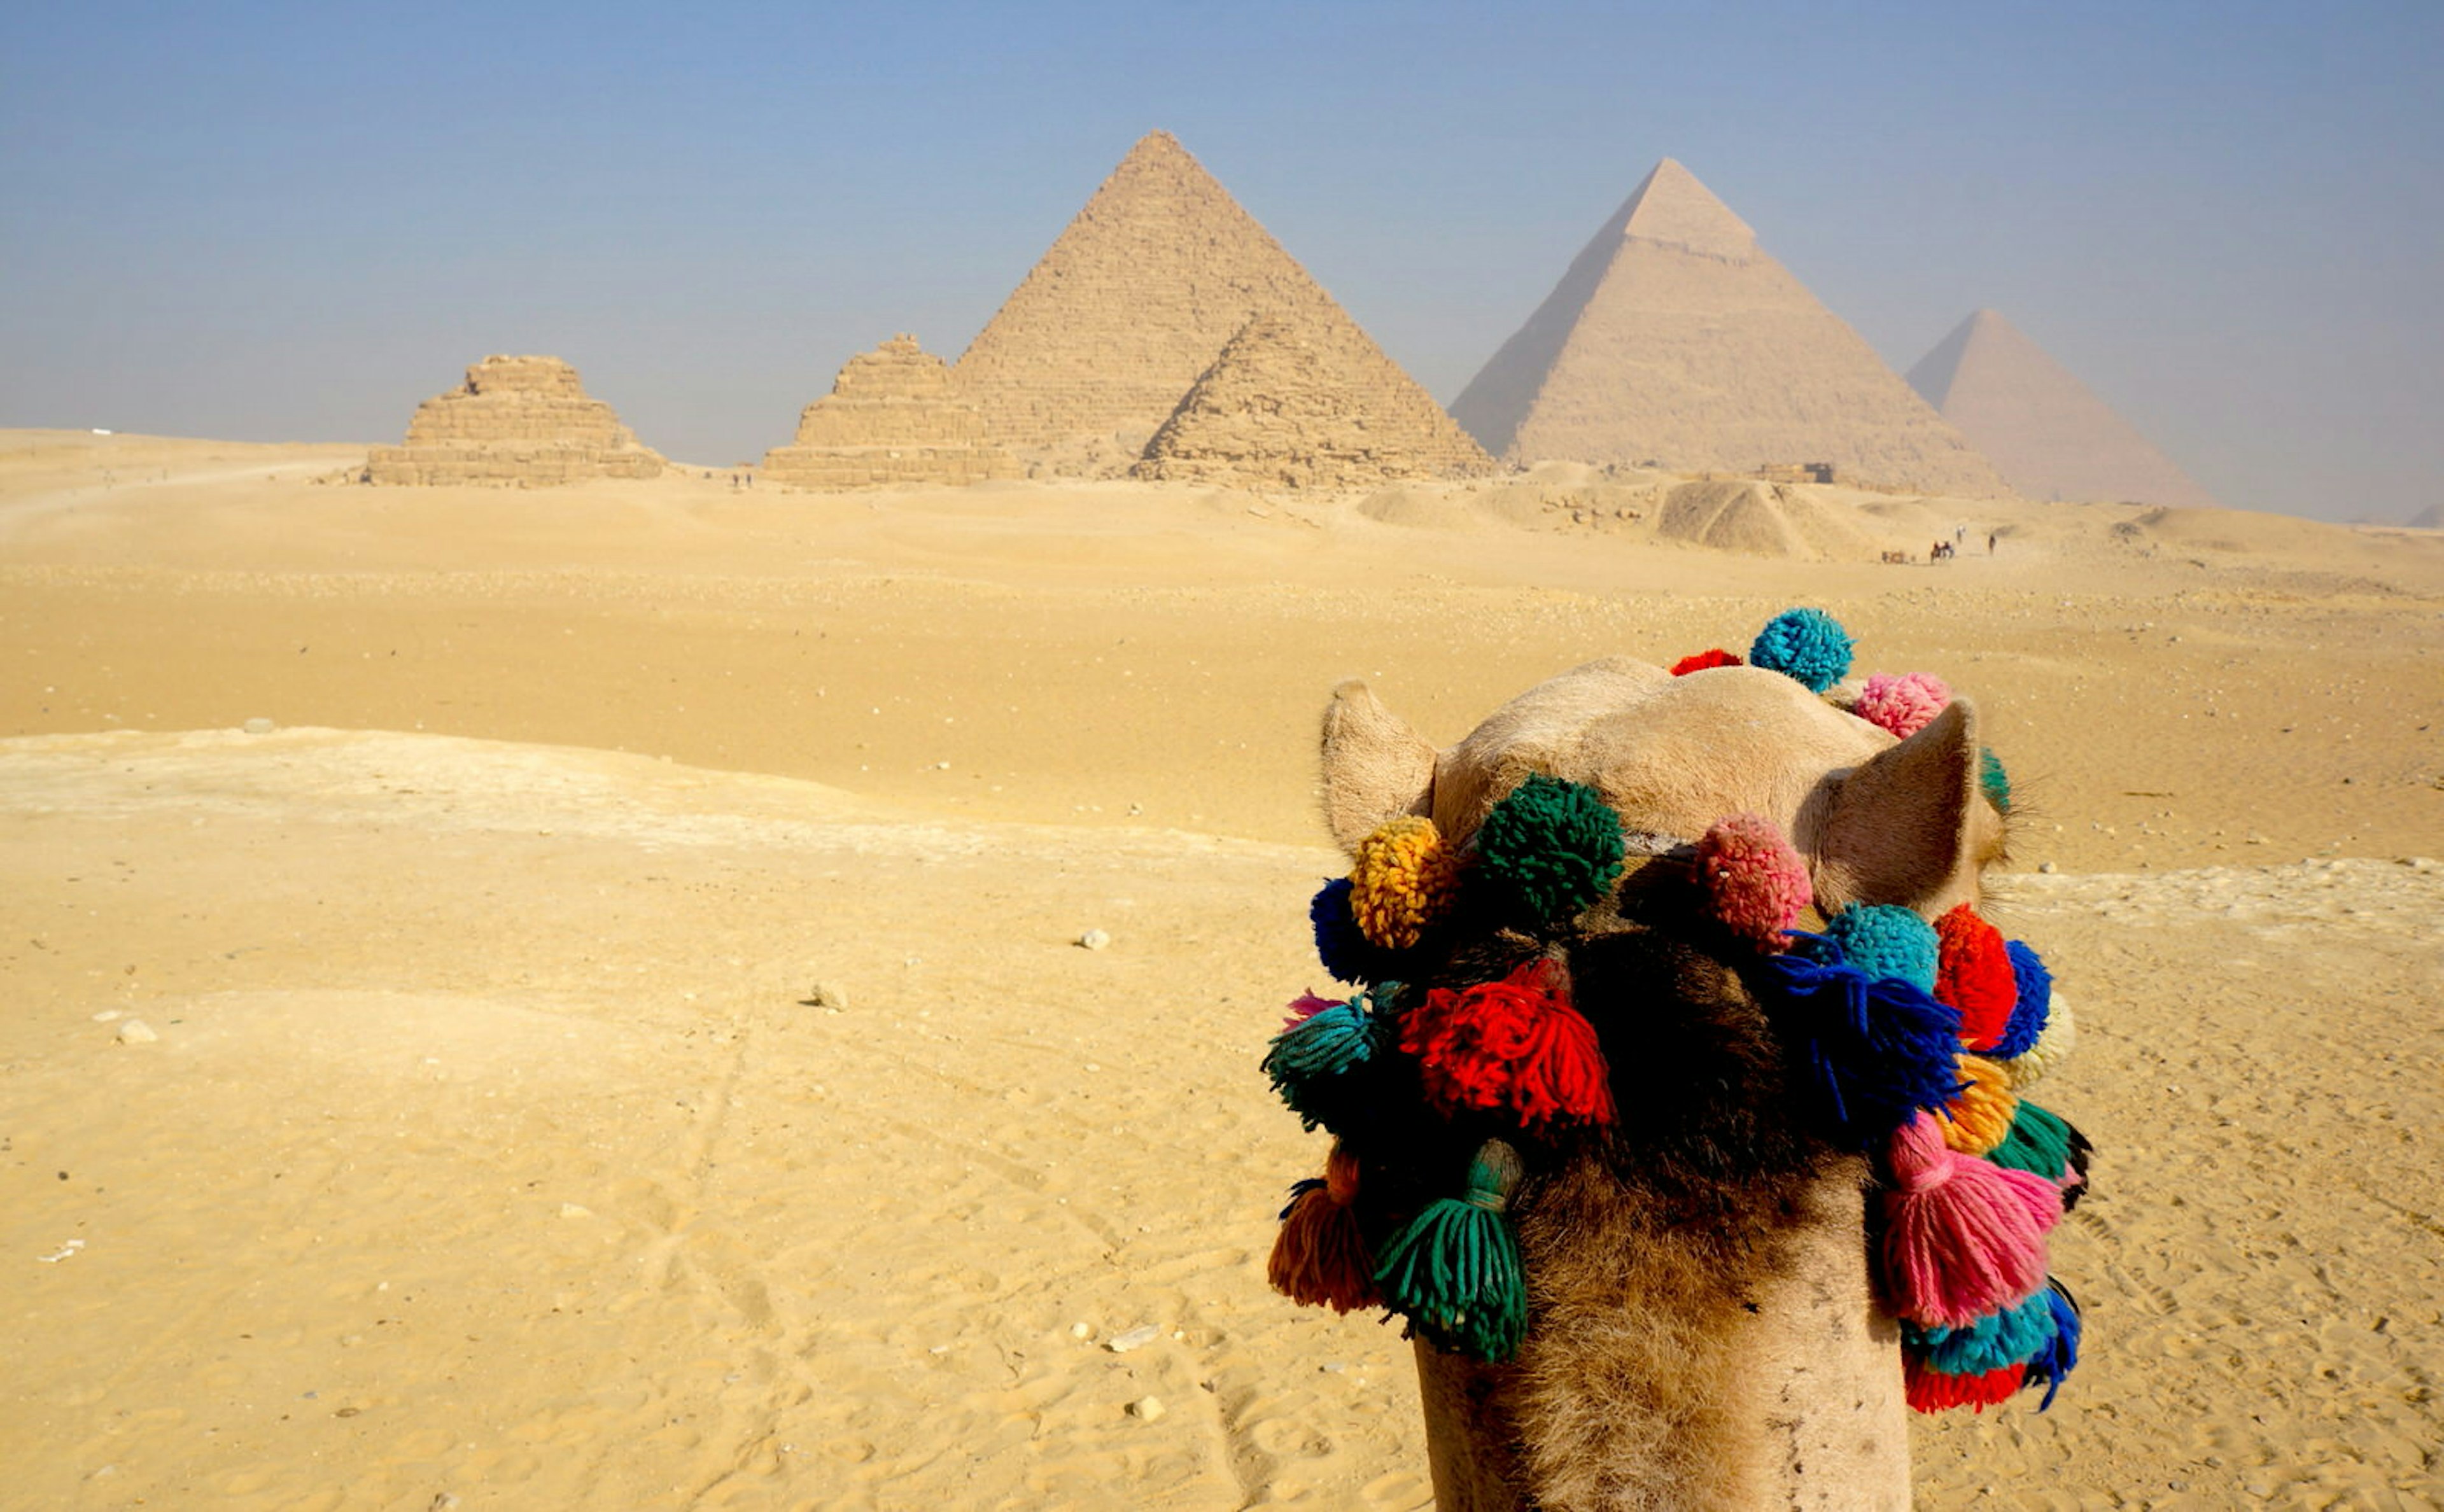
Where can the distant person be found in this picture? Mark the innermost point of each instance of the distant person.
(1990, 543)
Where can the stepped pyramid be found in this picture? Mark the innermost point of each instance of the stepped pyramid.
(1674, 337)
(2046, 433)
(1132, 306)
(1307, 404)
(518, 420)
(893, 415)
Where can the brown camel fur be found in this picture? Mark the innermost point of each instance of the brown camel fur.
(1702, 1330)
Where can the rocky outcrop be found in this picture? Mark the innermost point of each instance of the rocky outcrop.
(1676, 340)
(519, 420)
(1293, 403)
(895, 415)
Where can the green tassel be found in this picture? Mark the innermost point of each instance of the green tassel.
(1454, 1270)
(1994, 781)
(2039, 1142)
(1308, 1062)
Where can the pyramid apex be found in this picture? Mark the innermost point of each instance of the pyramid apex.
(1672, 207)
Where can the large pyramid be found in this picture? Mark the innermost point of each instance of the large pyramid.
(1132, 305)
(2045, 433)
(1307, 404)
(1675, 339)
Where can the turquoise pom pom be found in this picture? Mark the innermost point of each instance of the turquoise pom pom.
(1806, 644)
(1887, 940)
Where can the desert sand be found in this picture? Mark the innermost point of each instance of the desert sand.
(617, 1036)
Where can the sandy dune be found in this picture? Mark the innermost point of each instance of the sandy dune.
(490, 1149)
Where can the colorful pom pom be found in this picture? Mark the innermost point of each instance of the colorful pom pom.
(1516, 1043)
(1402, 881)
(1556, 846)
(2046, 1144)
(1993, 781)
(1703, 660)
(2033, 992)
(2061, 1355)
(1347, 954)
(1975, 974)
(1877, 1049)
(2052, 1048)
(1319, 1257)
(1979, 1115)
(1962, 1238)
(1454, 1270)
(1930, 1391)
(1903, 705)
(1806, 644)
(1758, 883)
(1310, 1061)
(1887, 940)
(1997, 1341)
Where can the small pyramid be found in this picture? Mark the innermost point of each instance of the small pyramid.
(1307, 404)
(1131, 307)
(894, 416)
(1674, 338)
(2046, 432)
(518, 420)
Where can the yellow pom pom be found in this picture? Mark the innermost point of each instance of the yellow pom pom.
(1980, 1117)
(1402, 881)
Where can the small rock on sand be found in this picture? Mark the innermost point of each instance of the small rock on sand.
(1146, 1407)
(260, 725)
(1136, 1337)
(136, 1031)
(1094, 940)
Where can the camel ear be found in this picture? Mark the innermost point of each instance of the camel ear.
(1910, 827)
(1375, 766)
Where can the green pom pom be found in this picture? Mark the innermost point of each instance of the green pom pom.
(2039, 1142)
(1555, 845)
(1994, 779)
(1454, 1270)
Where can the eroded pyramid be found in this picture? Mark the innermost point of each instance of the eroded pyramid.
(2045, 431)
(1675, 339)
(1301, 404)
(894, 416)
(519, 420)
(1132, 305)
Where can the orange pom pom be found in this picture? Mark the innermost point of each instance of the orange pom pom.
(1979, 1117)
(1402, 881)
(1319, 1258)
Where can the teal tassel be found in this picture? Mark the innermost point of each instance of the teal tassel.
(1454, 1270)
(1996, 1341)
(1992, 780)
(1308, 1059)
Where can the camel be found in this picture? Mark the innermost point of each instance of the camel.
(1702, 1330)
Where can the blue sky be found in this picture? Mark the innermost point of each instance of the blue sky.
(284, 222)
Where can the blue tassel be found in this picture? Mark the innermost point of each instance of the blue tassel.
(2036, 1002)
(2060, 1355)
(2015, 1335)
(1310, 1061)
(1877, 1048)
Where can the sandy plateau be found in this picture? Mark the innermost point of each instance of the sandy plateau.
(486, 1141)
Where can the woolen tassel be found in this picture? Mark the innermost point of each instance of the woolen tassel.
(1340, 944)
(1454, 1270)
(1319, 1257)
(2061, 1355)
(1308, 1059)
(2041, 1142)
(1975, 974)
(1931, 1390)
(2003, 1340)
(1877, 1049)
(1705, 661)
(1515, 1043)
(1962, 1238)
(1979, 1115)
(1402, 881)
(2035, 988)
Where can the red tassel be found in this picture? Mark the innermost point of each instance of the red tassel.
(1932, 1391)
(1974, 974)
(1963, 1237)
(1516, 1042)
(1319, 1258)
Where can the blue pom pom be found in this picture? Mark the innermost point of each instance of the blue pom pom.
(1806, 644)
(1877, 1048)
(1340, 944)
(2036, 1001)
(2015, 1335)
(2060, 1354)
(1887, 940)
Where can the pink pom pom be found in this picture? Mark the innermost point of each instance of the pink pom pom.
(1307, 1006)
(1963, 1237)
(1758, 883)
(1903, 705)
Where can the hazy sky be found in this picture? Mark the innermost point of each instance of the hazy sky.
(277, 222)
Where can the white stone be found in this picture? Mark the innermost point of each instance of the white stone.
(136, 1031)
(1147, 1408)
(1136, 1337)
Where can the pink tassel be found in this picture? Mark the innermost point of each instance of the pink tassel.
(1307, 1005)
(1963, 1238)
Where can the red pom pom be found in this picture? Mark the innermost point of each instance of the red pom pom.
(1974, 975)
(1717, 658)
(1932, 1391)
(1516, 1042)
